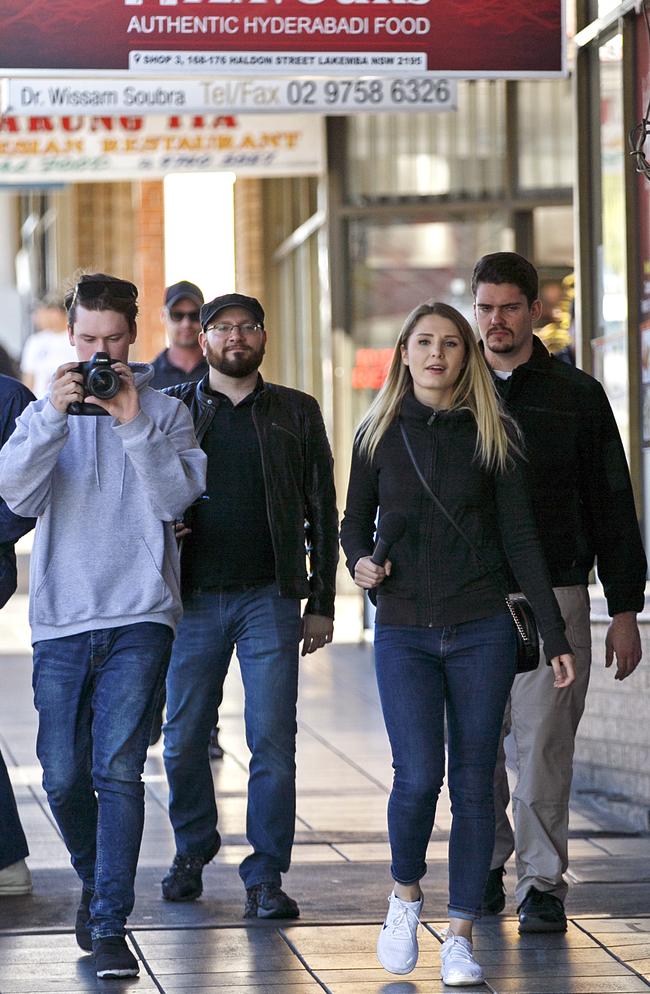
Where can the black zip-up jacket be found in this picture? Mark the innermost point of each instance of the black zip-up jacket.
(436, 579)
(299, 484)
(579, 478)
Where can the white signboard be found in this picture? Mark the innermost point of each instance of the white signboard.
(281, 63)
(74, 148)
(227, 96)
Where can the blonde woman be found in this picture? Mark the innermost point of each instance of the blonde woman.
(444, 641)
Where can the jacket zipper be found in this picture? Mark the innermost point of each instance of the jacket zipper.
(274, 424)
(430, 424)
(266, 495)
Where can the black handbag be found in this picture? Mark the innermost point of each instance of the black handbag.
(519, 608)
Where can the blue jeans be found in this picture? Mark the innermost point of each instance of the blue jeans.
(13, 844)
(265, 628)
(95, 693)
(466, 670)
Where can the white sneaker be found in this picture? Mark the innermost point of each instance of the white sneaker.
(15, 879)
(397, 945)
(458, 966)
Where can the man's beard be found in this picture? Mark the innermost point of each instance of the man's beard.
(500, 345)
(236, 365)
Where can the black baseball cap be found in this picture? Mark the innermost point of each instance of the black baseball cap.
(213, 307)
(183, 291)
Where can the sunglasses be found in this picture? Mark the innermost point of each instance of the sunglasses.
(178, 316)
(89, 288)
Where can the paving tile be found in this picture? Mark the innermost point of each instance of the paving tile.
(379, 852)
(189, 977)
(629, 951)
(241, 939)
(611, 870)
(625, 846)
(213, 965)
(76, 985)
(625, 938)
(318, 853)
(564, 985)
(392, 986)
(305, 987)
(596, 926)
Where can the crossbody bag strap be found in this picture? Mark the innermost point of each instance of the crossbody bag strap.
(452, 521)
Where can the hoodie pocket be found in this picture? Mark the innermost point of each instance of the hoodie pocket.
(123, 583)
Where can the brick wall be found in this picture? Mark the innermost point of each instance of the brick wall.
(612, 759)
(149, 246)
(118, 228)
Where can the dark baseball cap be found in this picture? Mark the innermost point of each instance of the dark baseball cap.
(183, 291)
(209, 310)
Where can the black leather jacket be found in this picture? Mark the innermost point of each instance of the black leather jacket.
(299, 482)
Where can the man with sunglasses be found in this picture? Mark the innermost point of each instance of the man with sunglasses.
(104, 596)
(183, 360)
(270, 488)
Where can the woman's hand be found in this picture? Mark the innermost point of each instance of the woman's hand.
(564, 671)
(368, 575)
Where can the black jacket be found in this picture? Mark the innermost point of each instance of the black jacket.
(579, 479)
(299, 482)
(435, 579)
(14, 398)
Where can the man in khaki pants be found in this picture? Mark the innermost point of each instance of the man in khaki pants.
(584, 507)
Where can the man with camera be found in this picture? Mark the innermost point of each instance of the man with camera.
(106, 464)
(270, 488)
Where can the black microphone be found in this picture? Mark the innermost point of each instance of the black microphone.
(390, 529)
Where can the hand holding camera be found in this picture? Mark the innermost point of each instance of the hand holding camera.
(97, 387)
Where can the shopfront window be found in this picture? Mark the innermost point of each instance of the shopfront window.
(610, 345)
(553, 237)
(397, 266)
(431, 154)
(546, 139)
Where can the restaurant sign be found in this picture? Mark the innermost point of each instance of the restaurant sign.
(466, 38)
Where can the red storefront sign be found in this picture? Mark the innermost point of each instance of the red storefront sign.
(455, 37)
(371, 368)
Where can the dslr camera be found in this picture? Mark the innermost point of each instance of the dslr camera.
(99, 380)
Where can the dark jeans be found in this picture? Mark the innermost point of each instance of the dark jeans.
(13, 844)
(466, 670)
(265, 628)
(95, 693)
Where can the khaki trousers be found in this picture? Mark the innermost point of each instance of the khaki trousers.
(542, 723)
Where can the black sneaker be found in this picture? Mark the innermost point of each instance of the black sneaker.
(494, 895)
(214, 747)
(113, 958)
(183, 879)
(541, 912)
(269, 901)
(81, 929)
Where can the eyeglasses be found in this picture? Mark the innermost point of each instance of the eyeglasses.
(178, 316)
(90, 287)
(248, 328)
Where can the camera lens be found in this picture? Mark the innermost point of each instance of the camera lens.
(103, 383)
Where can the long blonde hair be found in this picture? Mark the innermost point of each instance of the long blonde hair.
(474, 391)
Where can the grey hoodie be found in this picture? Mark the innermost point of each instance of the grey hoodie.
(106, 496)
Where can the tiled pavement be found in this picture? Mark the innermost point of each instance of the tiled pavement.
(339, 874)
